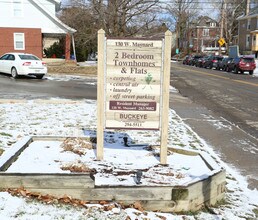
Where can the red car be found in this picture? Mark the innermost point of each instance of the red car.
(186, 59)
(242, 64)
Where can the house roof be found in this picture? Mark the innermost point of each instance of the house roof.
(203, 21)
(252, 14)
(51, 16)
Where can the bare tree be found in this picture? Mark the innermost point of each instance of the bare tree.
(82, 19)
(229, 11)
(116, 17)
(126, 17)
(182, 12)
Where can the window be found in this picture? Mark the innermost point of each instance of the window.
(248, 24)
(247, 41)
(206, 32)
(17, 8)
(19, 42)
(4, 57)
(257, 23)
(213, 24)
(28, 57)
(11, 57)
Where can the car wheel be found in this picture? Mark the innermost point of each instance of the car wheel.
(227, 69)
(14, 73)
(236, 70)
(251, 72)
(39, 76)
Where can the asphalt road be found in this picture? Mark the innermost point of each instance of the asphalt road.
(48, 87)
(222, 108)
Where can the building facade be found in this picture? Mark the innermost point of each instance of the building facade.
(204, 35)
(30, 26)
(248, 33)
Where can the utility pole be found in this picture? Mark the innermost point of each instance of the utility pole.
(188, 32)
(221, 24)
(247, 7)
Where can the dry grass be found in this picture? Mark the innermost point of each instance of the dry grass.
(72, 69)
(78, 167)
(77, 145)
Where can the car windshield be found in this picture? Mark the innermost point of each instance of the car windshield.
(28, 57)
(4, 57)
(247, 60)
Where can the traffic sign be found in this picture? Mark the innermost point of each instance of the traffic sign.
(221, 41)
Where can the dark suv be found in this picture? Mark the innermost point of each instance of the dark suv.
(222, 65)
(194, 59)
(242, 64)
(212, 61)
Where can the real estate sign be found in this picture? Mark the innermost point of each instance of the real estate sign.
(133, 86)
(133, 83)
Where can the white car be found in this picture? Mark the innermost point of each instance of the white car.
(22, 64)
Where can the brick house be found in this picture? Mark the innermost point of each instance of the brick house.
(30, 26)
(204, 35)
(248, 32)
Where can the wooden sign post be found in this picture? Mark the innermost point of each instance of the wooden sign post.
(100, 94)
(133, 86)
(165, 98)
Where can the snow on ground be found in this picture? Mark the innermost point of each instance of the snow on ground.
(256, 69)
(182, 169)
(80, 78)
(78, 118)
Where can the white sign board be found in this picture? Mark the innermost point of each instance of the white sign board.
(133, 84)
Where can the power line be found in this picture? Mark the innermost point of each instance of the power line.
(168, 3)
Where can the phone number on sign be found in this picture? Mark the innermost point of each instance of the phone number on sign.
(133, 124)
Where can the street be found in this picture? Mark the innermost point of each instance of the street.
(69, 87)
(222, 108)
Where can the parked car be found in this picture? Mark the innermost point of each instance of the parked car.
(242, 64)
(18, 64)
(200, 61)
(212, 61)
(222, 64)
(194, 59)
(186, 59)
